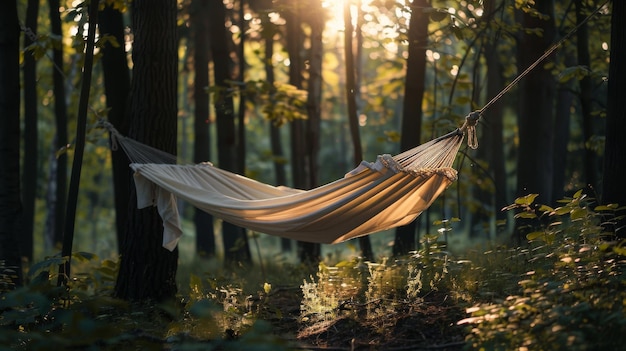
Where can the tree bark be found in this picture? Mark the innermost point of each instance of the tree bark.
(492, 143)
(10, 203)
(353, 115)
(236, 248)
(564, 101)
(276, 143)
(60, 113)
(412, 106)
(199, 15)
(116, 88)
(591, 163)
(31, 102)
(294, 38)
(147, 270)
(79, 149)
(314, 17)
(535, 111)
(614, 187)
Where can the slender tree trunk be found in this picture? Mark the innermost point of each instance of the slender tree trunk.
(147, 270)
(614, 187)
(79, 146)
(199, 16)
(116, 88)
(236, 248)
(294, 38)
(592, 166)
(278, 154)
(492, 144)
(10, 203)
(241, 110)
(60, 112)
(311, 252)
(31, 139)
(535, 113)
(412, 106)
(564, 101)
(353, 115)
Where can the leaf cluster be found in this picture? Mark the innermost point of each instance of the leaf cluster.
(572, 295)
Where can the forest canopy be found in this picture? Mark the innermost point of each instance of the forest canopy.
(296, 94)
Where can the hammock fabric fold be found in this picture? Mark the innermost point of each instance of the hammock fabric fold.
(387, 193)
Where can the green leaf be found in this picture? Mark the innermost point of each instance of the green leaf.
(534, 235)
(609, 207)
(545, 208)
(526, 200)
(561, 211)
(578, 213)
(526, 214)
(84, 256)
(45, 264)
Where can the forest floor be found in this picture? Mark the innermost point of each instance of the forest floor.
(429, 323)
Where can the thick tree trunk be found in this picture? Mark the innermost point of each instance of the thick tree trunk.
(10, 203)
(412, 105)
(236, 248)
(199, 16)
(60, 113)
(116, 88)
(614, 187)
(31, 101)
(300, 163)
(147, 270)
(535, 111)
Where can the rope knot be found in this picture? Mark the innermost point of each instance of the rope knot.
(114, 135)
(471, 121)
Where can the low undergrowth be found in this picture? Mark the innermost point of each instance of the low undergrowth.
(563, 290)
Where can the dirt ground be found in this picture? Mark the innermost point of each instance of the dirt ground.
(426, 324)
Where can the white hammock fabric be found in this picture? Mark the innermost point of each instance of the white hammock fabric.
(390, 192)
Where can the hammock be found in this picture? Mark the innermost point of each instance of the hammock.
(387, 193)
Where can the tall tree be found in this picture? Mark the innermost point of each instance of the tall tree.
(613, 185)
(241, 108)
(236, 248)
(294, 38)
(116, 88)
(30, 164)
(269, 30)
(58, 180)
(535, 110)
(562, 116)
(147, 270)
(412, 106)
(199, 17)
(79, 145)
(353, 115)
(308, 144)
(492, 143)
(10, 203)
(591, 163)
